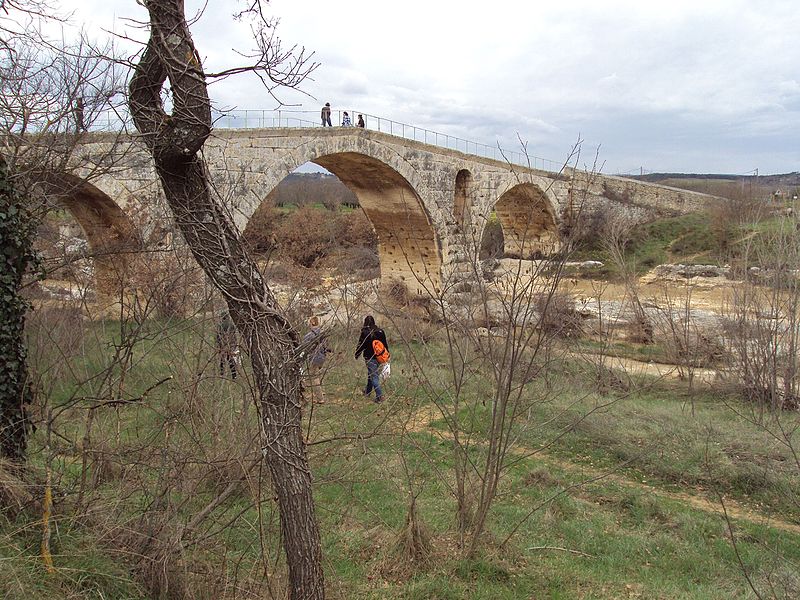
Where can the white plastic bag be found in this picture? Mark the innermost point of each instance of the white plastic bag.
(385, 372)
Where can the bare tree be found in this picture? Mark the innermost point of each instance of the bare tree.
(40, 83)
(175, 141)
(764, 319)
(615, 241)
(501, 339)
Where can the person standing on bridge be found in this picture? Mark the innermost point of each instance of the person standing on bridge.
(369, 333)
(361, 121)
(326, 115)
(346, 122)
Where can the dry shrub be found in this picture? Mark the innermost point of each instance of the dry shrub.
(260, 231)
(306, 235)
(585, 229)
(355, 229)
(360, 259)
(413, 544)
(558, 316)
(419, 330)
(540, 477)
(106, 465)
(310, 234)
(607, 381)
(640, 330)
(396, 292)
(727, 216)
(157, 561)
(408, 550)
(763, 346)
(170, 283)
(14, 493)
(694, 349)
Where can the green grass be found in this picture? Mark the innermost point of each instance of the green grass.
(694, 238)
(655, 352)
(627, 539)
(672, 239)
(84, 569)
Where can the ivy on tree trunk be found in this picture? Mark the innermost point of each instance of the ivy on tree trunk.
(17, 229)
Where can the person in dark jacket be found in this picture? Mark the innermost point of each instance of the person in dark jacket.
(325, 113)
(369, 333)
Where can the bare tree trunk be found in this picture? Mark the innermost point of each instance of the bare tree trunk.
(174, 140)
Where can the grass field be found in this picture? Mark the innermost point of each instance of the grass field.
(604, 495)
(695, 238)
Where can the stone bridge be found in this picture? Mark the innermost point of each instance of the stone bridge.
(429, 205)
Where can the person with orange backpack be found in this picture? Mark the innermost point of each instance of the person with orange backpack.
(373, 346)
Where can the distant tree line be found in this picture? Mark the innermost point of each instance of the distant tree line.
(299, 189)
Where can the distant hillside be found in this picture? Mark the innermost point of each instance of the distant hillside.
(729, 186)
(778, 179)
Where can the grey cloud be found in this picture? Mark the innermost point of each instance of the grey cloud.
(683, 85)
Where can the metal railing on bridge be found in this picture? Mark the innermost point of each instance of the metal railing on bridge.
(257, 119)
(261, 119)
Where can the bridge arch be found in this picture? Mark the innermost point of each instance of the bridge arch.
(528, 218)
(110, 233)
(409, 248)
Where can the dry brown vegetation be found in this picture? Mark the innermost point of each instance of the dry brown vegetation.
(314, 230)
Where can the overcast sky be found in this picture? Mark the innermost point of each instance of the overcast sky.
(673, 85)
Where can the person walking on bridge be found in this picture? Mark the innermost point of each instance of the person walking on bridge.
(369, 333)
(346, 122)
(326, 115)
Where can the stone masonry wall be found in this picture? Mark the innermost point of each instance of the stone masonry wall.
(407, 189)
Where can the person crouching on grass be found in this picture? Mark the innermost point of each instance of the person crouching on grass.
(369, 333)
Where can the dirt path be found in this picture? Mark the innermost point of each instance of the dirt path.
(734, 509)
(421, 419)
